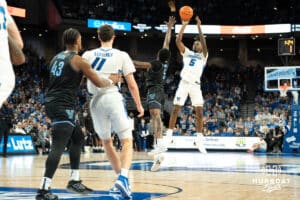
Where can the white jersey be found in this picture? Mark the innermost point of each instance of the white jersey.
(105, 62)
(5, 62)
(193, 65)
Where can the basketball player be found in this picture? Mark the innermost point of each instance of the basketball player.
(107, 105)
(193, 64)
(156, 74)
(11, 45)
(66, 71)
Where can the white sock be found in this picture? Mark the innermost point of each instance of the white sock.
(160, 142)
(124, 172)
(45, 183)
(75, 175)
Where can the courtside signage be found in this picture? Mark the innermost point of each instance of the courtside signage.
(120, 26)
(237, 30)
(18, 144)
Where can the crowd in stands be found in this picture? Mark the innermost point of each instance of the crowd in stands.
(223, 91)
(153, 12)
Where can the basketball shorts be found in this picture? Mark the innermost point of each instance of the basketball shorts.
(155, 97)
(186, 89)
(60, 114)
(7, 84)
(109, 115)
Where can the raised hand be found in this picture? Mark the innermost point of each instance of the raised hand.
(198, 20)
(171, 21)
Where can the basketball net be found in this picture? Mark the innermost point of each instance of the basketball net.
(283, 89)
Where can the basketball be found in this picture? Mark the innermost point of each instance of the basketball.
(186, 13)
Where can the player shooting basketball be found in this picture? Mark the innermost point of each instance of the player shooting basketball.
(193, 64)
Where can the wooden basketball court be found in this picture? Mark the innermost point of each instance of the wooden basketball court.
(184, 175)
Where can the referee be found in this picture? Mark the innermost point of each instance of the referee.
(5, 124)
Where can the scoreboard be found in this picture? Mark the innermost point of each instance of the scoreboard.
(286, 46)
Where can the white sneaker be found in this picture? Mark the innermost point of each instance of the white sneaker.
(200, 143)
(157, 162)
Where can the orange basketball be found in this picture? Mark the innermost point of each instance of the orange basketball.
(186, 13)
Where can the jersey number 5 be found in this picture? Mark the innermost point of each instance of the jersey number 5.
(2, 23)
(98, 63)
(56, 69)
(192, 62)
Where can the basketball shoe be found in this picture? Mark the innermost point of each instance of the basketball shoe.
(122, 183)
(158, 159)
(45, 195)
(200, 143)
(78, 187)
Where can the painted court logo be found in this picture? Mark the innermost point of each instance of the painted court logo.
(271, 178)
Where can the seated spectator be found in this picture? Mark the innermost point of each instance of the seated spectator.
(260, 146)
(19, 129)
(43, 139)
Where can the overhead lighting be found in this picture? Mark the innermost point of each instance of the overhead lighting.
(280, 35)
(233, 36)
(221, 50)
(124, 33)
(46, 31)
(145, 34)
(24, 29)
(258, 49)
(275, 8)
(94, 37)
(270, 38)
(256, 36)
(142, 37)
(221, 38)
(40, 35)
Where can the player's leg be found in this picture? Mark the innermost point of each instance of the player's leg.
(197, 101)
(157, 126)
(178, 102)
(61, 134)
(102, 126)
(121, 124)
(7, 84)
(77, 140)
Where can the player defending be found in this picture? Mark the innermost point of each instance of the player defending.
(66, 71)
(156, 75)
(193, 65)
(107, 105)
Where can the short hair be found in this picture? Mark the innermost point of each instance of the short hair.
(196, 38)
(164, 55)
(70, 36)
(105, 33)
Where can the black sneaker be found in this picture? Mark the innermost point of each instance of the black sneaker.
(78, 187)
(45, 195)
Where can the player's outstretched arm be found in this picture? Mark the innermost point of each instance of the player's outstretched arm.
(141, 65)
(14, 32)
(169, 24)
(17, 56)
(134, 90)
(81, 64)
(15, 42)
(179, 42)
(201, 37)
